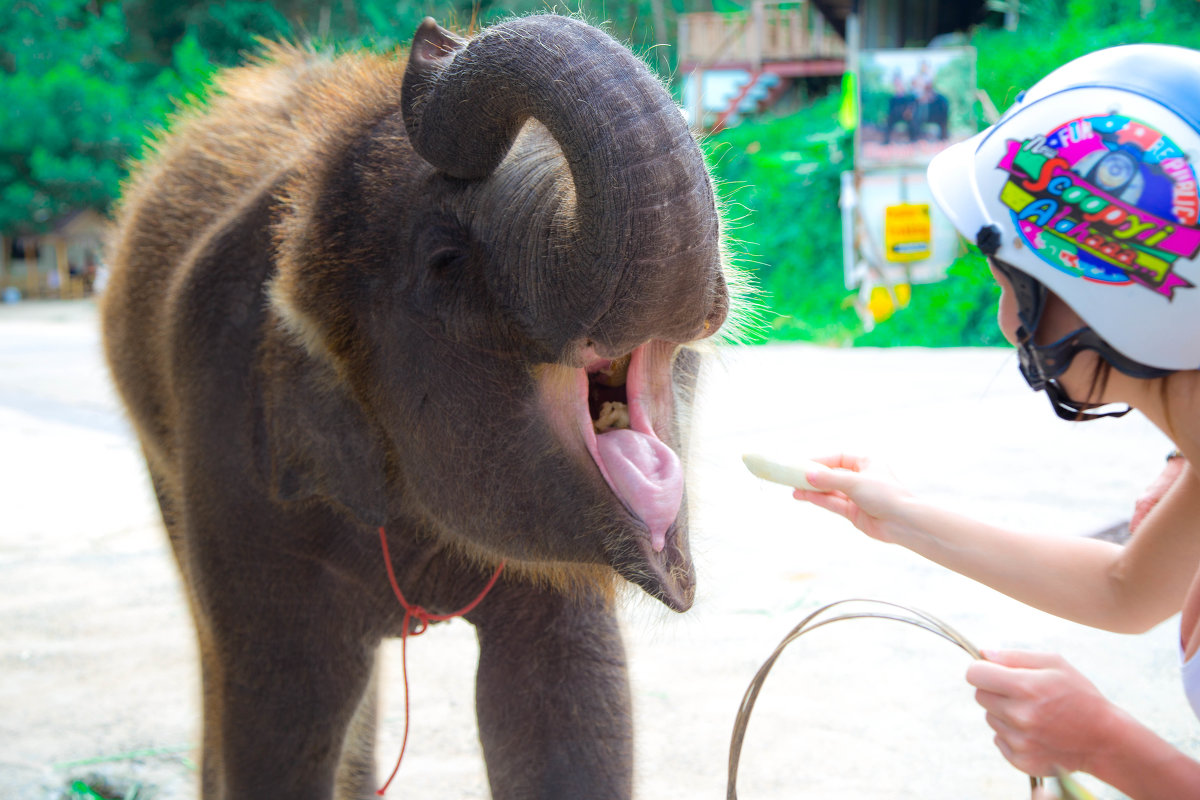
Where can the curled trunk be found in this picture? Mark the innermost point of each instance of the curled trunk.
(639, 220)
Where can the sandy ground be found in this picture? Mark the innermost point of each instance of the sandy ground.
(97, 671)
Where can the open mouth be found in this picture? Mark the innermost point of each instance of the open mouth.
(621, 398)
(615, 409)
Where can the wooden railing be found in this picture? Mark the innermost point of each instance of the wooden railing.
(773, 30)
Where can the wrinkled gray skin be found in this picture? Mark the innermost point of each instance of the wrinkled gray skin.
(351, 294)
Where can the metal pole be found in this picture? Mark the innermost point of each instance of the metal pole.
(850, 179)
(1012, 16)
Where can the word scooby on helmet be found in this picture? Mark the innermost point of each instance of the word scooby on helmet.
(1105, 198)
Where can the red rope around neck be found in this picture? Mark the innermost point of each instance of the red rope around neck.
(422, 616)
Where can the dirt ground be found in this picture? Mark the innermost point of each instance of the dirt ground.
(97, 667)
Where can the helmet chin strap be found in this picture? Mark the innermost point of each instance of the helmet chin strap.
(1042, 364)
(1071, 411)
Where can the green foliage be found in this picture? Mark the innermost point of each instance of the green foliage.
(959, 311)
(1052, 32)
(75, 108)
(227, 31)
(83, 81)
(779, 181)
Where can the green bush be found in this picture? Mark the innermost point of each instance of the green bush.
(1052, 32)
(959, 311)
(76, 108)
(779, 180)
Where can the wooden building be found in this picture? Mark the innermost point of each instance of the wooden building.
(60, 264)
(738, 63)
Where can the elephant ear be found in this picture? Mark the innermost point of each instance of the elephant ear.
(432, 46)
(433, 50)
(431, 79)
(320, 445)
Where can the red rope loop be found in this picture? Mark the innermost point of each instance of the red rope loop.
(423, 618)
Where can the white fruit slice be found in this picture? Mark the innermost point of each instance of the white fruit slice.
(786, 474)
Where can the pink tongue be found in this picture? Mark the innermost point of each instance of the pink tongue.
(646, 475)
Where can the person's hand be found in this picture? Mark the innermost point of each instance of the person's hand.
(863, 492)
(1046, 715)
(1155, 491)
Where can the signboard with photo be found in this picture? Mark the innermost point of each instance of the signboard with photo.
(914, 103)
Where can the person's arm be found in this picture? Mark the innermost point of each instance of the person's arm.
(1125, 588)
(1047, 716)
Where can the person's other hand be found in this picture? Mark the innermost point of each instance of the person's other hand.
(1046, 715)
(855, 487)
(1155, 491)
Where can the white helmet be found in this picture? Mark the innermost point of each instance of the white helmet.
(1087, 186)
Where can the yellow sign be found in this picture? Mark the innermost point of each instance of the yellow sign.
(907, 232)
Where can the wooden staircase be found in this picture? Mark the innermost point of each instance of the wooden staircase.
(773, 43)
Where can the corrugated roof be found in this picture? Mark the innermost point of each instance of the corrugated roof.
(950, 15)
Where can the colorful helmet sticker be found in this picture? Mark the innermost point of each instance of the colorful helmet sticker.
(1107, 199)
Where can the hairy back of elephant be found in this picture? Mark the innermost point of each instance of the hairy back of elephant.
(260, 128)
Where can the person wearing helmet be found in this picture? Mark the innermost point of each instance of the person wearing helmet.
(1083, 196)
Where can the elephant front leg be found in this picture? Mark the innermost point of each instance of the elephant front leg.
(552, 699)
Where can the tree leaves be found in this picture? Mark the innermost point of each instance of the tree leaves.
(75, 109)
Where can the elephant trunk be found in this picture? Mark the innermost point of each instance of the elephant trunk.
(641, 220)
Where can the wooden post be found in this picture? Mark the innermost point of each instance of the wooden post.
(682, 33)
(33, 283)
(60, 264)
(1012, 15)
(5, 258)
(817, 42)
(796, 32)
(757, 34)
(805, 38)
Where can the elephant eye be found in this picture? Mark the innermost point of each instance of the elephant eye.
(441, 244)
(444, 260)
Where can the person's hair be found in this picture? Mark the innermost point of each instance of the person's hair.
(1096, 388)
(1100, 377)
(1170, 423)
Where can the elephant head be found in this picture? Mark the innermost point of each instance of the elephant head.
(528, 234)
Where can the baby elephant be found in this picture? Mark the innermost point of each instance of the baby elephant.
(446, 301)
